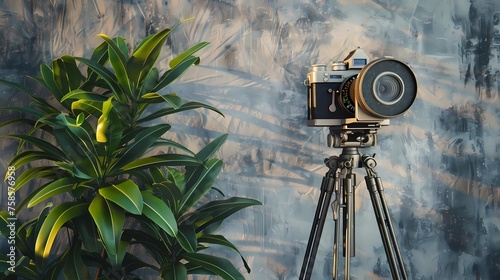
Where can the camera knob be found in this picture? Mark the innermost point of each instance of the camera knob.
(339, 66)
(318, 68)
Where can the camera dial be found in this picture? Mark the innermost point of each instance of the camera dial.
(339, 66)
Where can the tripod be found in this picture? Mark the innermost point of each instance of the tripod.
(340, 180)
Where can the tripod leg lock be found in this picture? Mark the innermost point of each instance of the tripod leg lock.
(370, 163)
(336, 209)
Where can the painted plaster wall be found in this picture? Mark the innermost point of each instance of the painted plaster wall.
(439, 162)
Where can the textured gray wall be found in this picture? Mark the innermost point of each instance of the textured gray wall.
(439, 161)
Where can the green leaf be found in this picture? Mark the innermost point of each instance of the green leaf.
(43, 145)
(99, 56)
(77, 143)
(156, 210)
(114, 135)
(123, 112)
(187, 238)
(56, 187)
(73, 170)
(171, 271)
(35, 172)
(218, 210)
(199, 183)
(60, 75)
(66, 73)
(126, 195)
(219, 266)
(221, 240)
(29, 122)
(28, 232)
(158, 249)
(4, 222)
(107, 76)
(26, 199)
(161, 160)
(170, 193)
(184, 107)
(80, 119)
(175, 61)
(17, 86)
(156, 175)
(198, 270)
(172, 144)
(172, 74)
(177, 178)
(55, 267)
(172, 98)
(28, 156)
(109, 219)
(92, 108)
(117, 259)
(146, 54)
(61, 214)
(118, 46)
(131, 263)
(30, 111)
(23, 270)
(142, 142)
(88, 232)
(74, 267)
(40, 102)
(49, 82)
(84, 95)
(211, 148)
(118, 61)
(149, 81)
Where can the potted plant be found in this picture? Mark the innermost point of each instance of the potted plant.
(131, 189)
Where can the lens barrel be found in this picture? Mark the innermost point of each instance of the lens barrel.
(385, 88)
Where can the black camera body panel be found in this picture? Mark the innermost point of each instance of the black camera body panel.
(322, 95)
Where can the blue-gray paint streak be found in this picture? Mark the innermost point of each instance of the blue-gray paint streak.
(439, 162)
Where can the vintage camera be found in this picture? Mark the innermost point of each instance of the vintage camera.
(357, 93)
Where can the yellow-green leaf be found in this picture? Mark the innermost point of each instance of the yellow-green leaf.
(56, 218)
(103, 122)
(56, 187)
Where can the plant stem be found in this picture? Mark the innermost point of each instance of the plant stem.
(98, 272)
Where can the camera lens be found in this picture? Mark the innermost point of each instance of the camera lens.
(388, 88)
(385, 88)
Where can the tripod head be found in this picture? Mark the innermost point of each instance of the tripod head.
(353, 135)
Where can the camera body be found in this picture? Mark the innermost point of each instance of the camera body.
(357, 93)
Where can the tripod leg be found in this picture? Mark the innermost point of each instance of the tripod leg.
(318, 223)
(337, 213)
(375, 188)
(381, 222)
(380, 189)
(349, 184)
